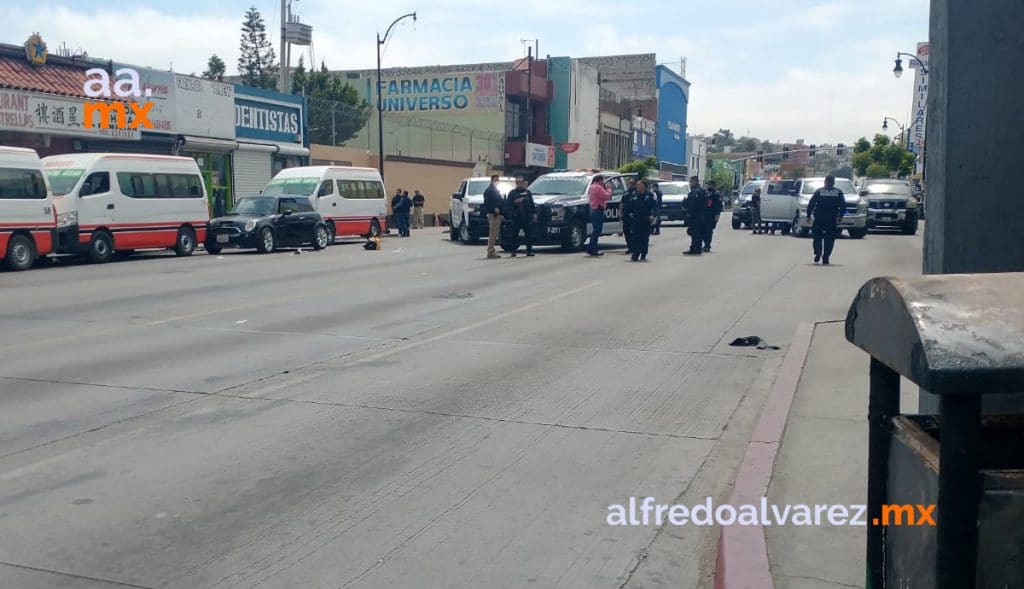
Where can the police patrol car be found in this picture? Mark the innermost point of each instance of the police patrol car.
(563, 208)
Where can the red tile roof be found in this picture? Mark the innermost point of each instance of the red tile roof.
(52, 78)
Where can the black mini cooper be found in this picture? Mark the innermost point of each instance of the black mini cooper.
(266, 223)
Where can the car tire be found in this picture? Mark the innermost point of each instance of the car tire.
(736, 223)
(321, 237)
(797, 230)
(101, 248)
(212, 249)
(910, 228)
(465, 235)
(858, 233)
(267, 241)
(21, 253)
(332, 232)
(453, 229)
(185, 243)
(576, 239)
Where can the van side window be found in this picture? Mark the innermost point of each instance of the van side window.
(21, 183)
(348, 189)
(137, 184)
(98, 183)
(326, 188)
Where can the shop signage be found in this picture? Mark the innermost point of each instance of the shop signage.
(123, 113)
(30, 112)
(157, 86)
(453, 93)
(542, 156)
(204, 108)
(569, 147)
(35, 50)
(256, 119)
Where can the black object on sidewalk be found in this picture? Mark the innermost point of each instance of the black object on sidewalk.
(752, 341)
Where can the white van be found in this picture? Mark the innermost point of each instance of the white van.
(27, 219)
(122, 202)
(351, 200)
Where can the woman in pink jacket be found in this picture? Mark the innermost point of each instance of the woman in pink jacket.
(599, 194)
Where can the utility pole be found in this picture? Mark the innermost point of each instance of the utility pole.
(380, 101)
(283, 74)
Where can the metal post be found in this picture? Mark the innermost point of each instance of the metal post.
(883, 405)
(956, 557)
(334, 130)
(380, 115)
(282, 75)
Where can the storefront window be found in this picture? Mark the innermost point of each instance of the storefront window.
(216, 169)
(281, 162)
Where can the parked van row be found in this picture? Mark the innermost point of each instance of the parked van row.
(99, 205)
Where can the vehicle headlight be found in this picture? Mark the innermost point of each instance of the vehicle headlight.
(250, 225)
(912, 203)
(557, 213)
(862, 208)
(67, 219)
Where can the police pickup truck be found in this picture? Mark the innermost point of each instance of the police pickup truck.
(563, 209)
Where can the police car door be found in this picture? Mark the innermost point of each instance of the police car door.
(613, 212)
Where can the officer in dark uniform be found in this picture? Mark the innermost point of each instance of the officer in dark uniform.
(524, 215)
(696, 204)
(824, 211)
(627, 229)
(638, 215)
(657, 216)
(711, 214)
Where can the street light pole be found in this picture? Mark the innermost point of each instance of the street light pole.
(898, 70)
(380, 100)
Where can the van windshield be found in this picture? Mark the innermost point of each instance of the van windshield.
(63, 181)
(295, 186)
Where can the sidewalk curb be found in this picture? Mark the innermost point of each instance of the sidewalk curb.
(742, 551)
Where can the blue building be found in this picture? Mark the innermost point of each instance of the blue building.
(673, 100)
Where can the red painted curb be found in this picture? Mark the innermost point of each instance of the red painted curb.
(742, 551)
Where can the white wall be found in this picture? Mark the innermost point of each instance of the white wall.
(697, 155)
(584, 117)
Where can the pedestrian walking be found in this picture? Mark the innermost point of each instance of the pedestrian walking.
(638, 214)
(712, 214)
(824, 211)
(599, 194)
(696, 205)
(418, 200)
(627, 229)
(657, 215)
(755, 212)
(524, 216)
(494, 208)
(401, 205)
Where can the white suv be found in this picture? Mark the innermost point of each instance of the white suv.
(466, 222)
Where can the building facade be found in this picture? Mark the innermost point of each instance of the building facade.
(673, 101)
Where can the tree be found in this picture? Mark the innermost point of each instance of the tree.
(881, 158)
(877, 170)
(722, 174)
(720, 140)
(257, 63)
(862, 145)
(336, 111)
(747, 144)
(215, 69)
(642, 168)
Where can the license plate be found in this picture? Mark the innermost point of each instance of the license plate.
(886, 216)
(223, 239)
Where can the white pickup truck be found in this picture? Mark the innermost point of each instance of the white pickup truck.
(788, 210)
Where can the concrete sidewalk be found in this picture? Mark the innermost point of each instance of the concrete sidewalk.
(823, 460)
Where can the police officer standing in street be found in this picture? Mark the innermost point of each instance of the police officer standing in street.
(494, 208)
(656, 191)
(755, 212)
(638, 215)
(627, 229)
(696, 204)
(824, 211)
(711, 214)
(524, 216)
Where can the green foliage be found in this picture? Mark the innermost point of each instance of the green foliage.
(747, 144)
(722, 174)
(336, 111)
(642, 168)
(257, 63)
(882, 158)
(215, 68)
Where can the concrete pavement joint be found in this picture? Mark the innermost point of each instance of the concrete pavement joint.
(601, 349)
(73, 575)
(820, 580)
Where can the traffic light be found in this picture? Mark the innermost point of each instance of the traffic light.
(840, 149)
(760, 156)
(811, 150)
(785, 152)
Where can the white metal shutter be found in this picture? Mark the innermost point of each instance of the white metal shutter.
(252, 171)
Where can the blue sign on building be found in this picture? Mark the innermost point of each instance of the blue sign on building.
(673, 100)
(269, 116)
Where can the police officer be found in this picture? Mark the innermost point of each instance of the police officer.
(627, 229)
(524, 215)
(656, 230)
(755, 212)
(711, 214)
(824, 211)
(638, 215)
(696, 204)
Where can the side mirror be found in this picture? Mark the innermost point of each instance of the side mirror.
(792, 192)
(863, 192)
(457, 195)
(286, 212)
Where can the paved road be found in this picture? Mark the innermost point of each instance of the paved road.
(415, 417)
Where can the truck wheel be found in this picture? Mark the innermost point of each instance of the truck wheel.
(858, 233)
(453, 229)
(786, 228)
(101, 248)
(910, 228)
(185, 245)
(21, 253)
(576, 239)
(736, 223)
(465, 235)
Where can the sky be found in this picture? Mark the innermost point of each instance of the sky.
(818, 70)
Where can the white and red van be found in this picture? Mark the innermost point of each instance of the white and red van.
(27, 218)
(351, 200)
(121, 202)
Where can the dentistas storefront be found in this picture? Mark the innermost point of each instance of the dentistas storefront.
(270, 133)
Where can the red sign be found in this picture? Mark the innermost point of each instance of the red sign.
(569, 147)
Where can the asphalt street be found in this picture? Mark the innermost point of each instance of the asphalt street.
(412, 417)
